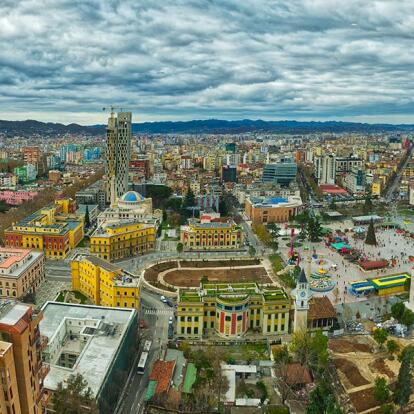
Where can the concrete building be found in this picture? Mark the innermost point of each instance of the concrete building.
(211, 235)
(94, 194)
(8, 180)
(96, 342)
(24, 371)
(104, 283)
(328, 167)
(123, 239)
(21, 272)
(355, 181)
(118, 153)
(229, 174)
(282, 173)
(55, 176)
(272, 210)
(231, 309)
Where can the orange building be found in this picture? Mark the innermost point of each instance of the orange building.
(21, 365)
(272, 210)
(31, 155)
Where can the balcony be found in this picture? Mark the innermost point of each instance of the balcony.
(42, 370)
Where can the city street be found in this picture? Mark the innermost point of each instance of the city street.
(156, 329)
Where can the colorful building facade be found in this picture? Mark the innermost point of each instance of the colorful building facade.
(124, 239)
(49, 229)
(211, 235)
(104, 283)
(230, 310)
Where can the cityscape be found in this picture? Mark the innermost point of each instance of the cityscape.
(189, 240)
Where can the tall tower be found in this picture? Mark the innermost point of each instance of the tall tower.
(118, 154)
(301, 303)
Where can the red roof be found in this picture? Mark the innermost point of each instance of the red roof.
(373, 264)
(162, 372)
(332, 189)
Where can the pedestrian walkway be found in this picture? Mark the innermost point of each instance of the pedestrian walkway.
(159, 311)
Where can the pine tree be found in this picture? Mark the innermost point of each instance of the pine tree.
(87, 218)
(371, 239)
(368, 204)
(403, 386)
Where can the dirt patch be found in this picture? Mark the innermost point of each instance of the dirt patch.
(381, 367)
(151, 274)
(351, 372)
(343, 346)
(219, 263)
(192, 278)
(363, 400)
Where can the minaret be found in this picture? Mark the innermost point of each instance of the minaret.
(301, 303)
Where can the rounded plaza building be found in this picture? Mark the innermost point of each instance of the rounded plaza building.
(232, 315)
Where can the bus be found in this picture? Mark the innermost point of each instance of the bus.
(142, 362)
(147, 346)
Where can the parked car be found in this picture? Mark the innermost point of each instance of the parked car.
(163, 299)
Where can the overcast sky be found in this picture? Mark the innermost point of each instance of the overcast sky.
(63, 60)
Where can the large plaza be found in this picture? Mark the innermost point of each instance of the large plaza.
(332, 265)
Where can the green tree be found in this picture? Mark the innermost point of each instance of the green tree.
(388, 409)
(407, 318)
(380, 336)
(74, 397)
(159, 194)
(371, 239)
(274, 229)
(252, 251)
(403, 385)
(322, 401)
(180, 248)
(392, 347)
(397, 310)
(87, 218)
(189, 200)
(314, 229)
(381, 390)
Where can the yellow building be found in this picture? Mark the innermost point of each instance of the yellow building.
(104, 283)
(211, 235)
(376, 188)
(118, 240)
(230, 310)
(48, 229)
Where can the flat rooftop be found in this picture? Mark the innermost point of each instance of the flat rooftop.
(13, 262)
(100, 350)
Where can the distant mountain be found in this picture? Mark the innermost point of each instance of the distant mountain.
(209, 126)
(247, 125)
(30, 127)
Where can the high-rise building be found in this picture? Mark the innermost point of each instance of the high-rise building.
(21, 365)
(118, 154)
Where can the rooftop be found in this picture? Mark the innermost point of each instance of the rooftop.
(99, 350)
(15, 261)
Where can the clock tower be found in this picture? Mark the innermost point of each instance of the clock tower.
(301, 303)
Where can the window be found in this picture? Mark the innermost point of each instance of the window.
(228, 318)
(239, 317)
(182, 318)
(196, 330)
(195, 318)
(188, 330)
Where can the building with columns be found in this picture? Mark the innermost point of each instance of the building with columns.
(230, 310)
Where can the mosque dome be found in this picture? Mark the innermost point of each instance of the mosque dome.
(132, 197)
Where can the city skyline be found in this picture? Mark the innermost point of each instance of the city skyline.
(302, 60)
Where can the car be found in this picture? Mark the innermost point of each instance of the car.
(169, 303)
(163, 299)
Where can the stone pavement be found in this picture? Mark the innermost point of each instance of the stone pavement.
(48, 290)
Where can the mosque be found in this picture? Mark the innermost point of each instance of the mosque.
(132, 206)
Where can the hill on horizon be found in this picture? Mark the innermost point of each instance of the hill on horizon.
(209, 126)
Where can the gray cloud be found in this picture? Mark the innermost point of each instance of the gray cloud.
(306, 59)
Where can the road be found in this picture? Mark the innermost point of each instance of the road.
(157, 331)
(389, 194)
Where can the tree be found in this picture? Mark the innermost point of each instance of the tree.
(403, 385)
(322, 400)
(262, 233)
(371, 239)
(189, 200)
(387, 409)
(274, 229)
(74, 397)
(282, 360)
(380, 336)
(314, 229)
(397, 310)
(407, 318)
(392, 347)
(87, 218)
(180, 248)
(381, 390)
(252, 251)
(311, 351)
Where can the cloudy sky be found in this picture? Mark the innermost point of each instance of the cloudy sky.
(63, 60)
